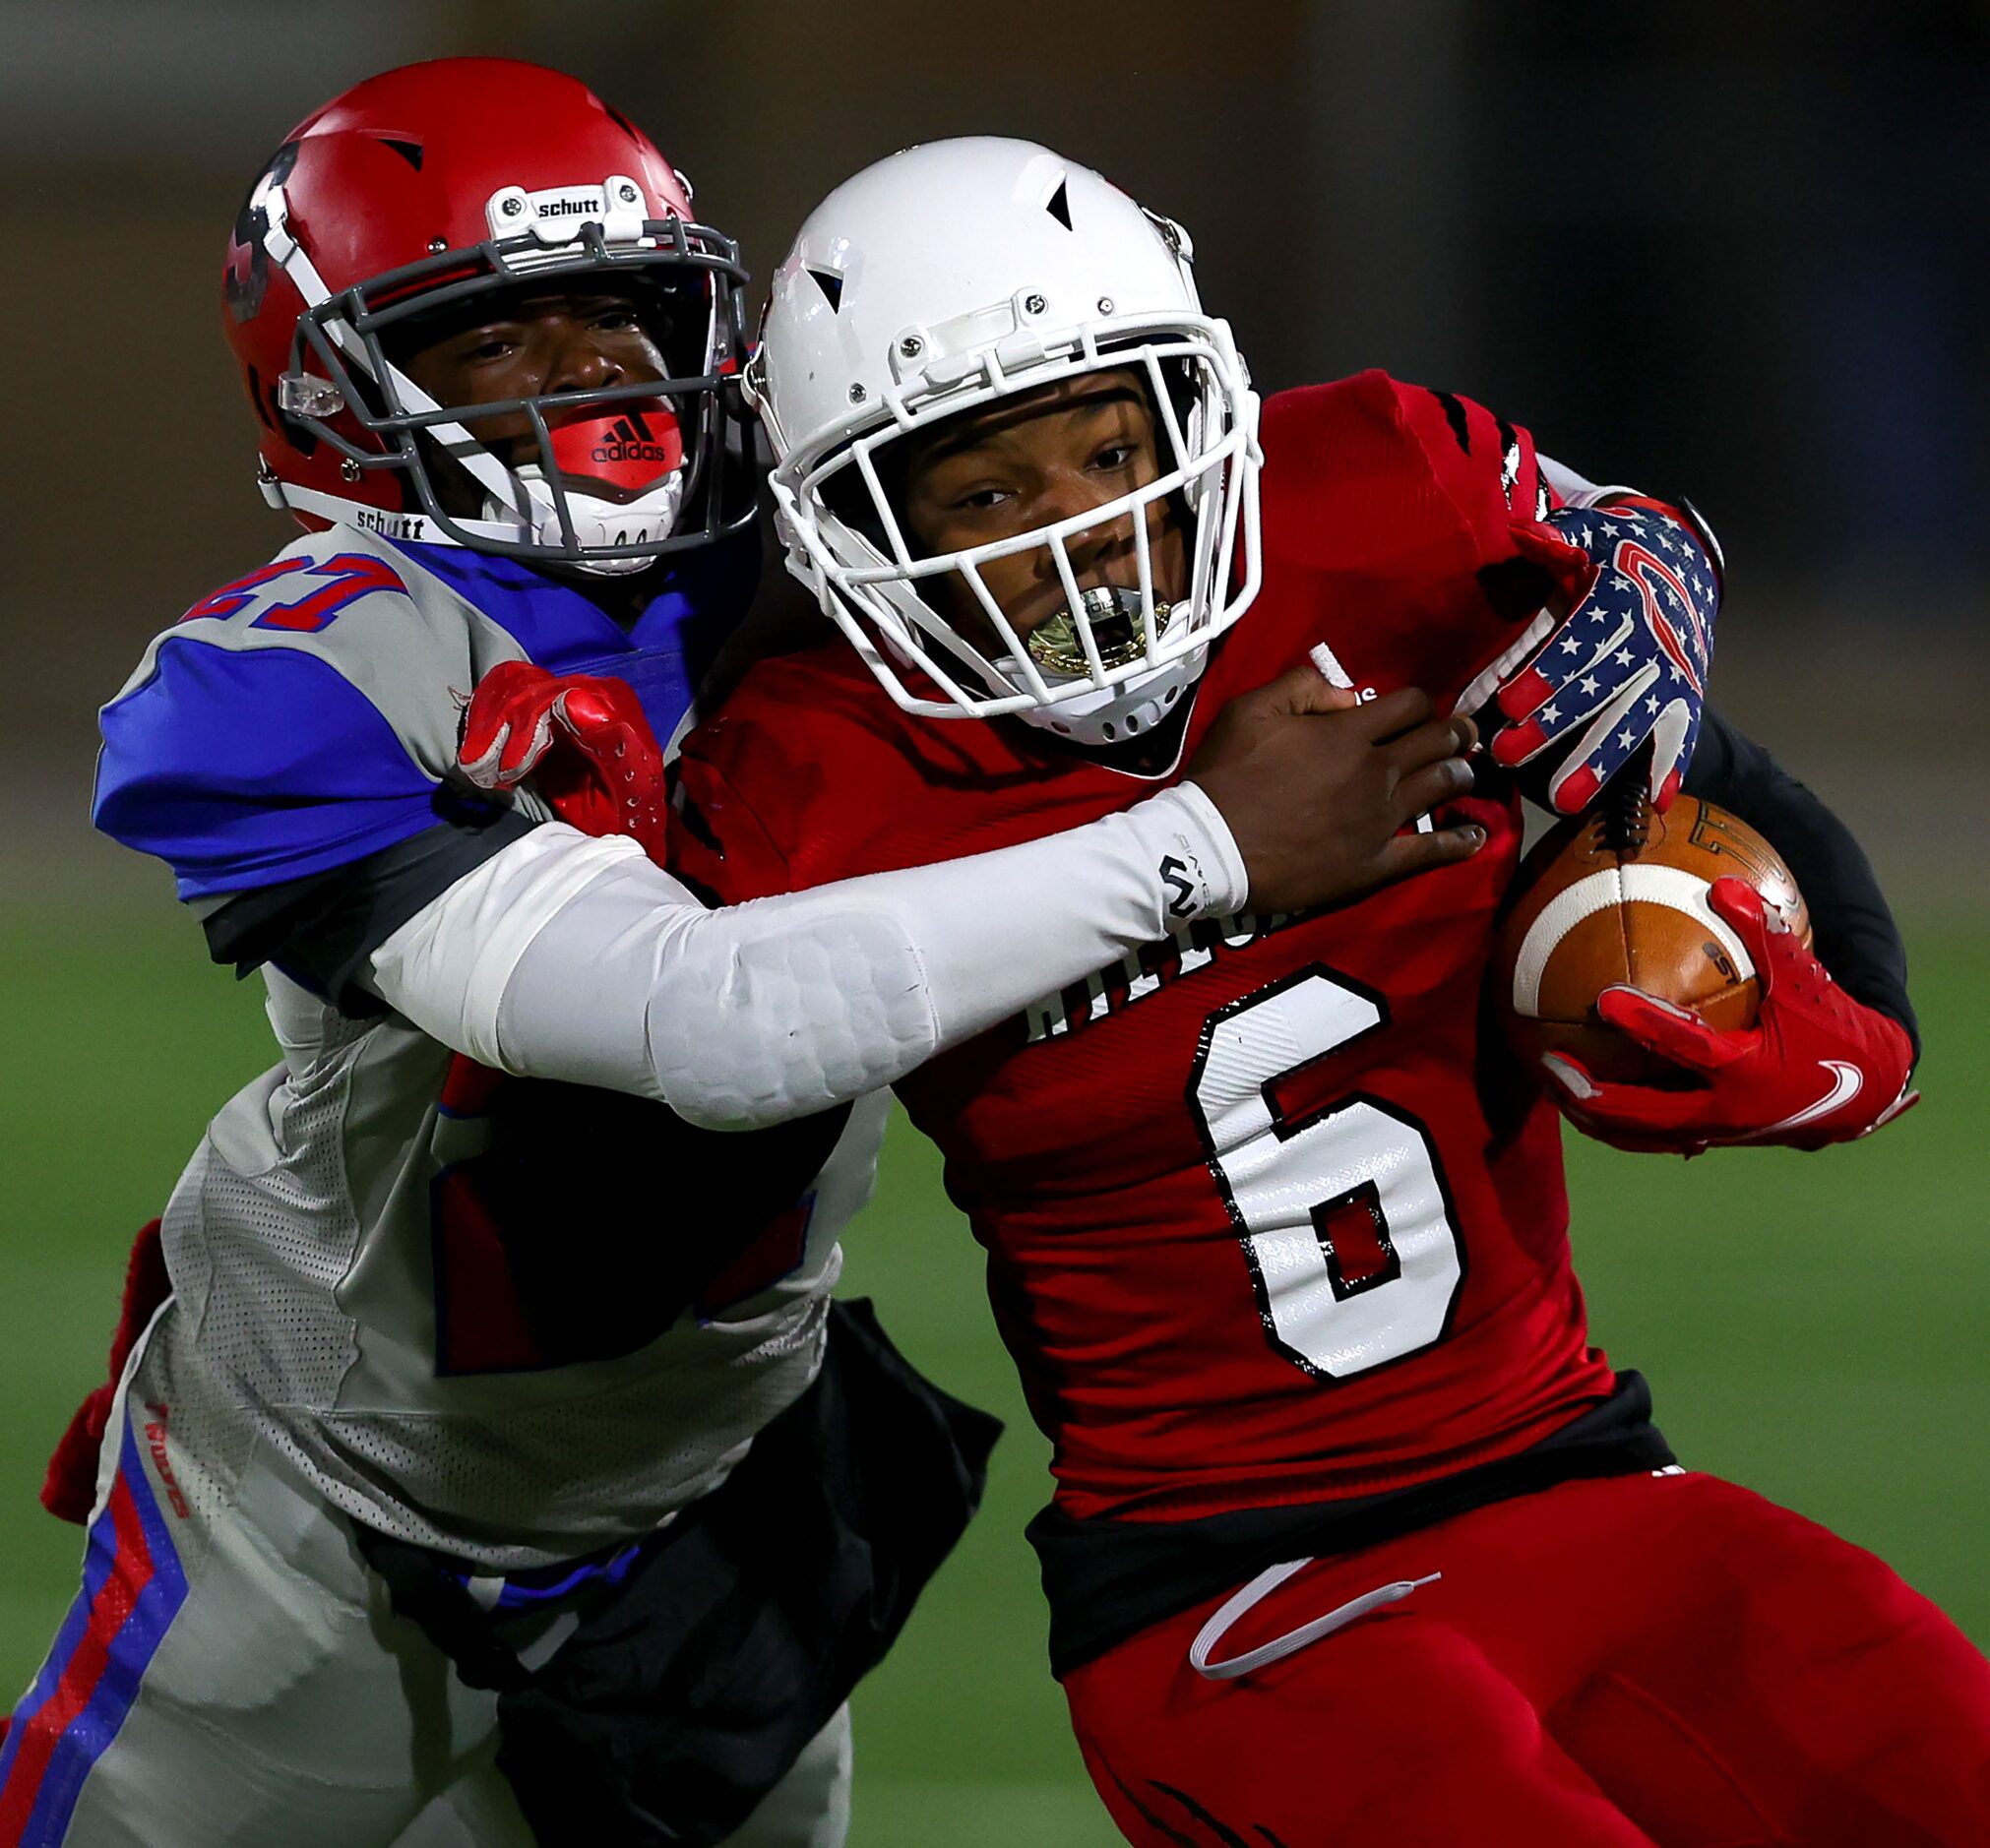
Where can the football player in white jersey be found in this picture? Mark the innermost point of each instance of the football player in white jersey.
(469, 1295)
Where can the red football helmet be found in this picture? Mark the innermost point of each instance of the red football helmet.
(421, 189)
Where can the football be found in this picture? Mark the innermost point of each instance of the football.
(1620, 894)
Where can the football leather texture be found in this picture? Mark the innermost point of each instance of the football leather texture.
(1620, 894)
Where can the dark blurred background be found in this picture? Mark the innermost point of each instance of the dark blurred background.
(1722, 251)
(1727, 251)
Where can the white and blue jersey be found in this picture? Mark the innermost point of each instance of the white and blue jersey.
(511, 1319)
(305, 717)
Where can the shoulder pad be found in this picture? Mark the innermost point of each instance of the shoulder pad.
(1366, 469)
(296, 719)
(371, 615)
(1396, 524)
(1484, 462)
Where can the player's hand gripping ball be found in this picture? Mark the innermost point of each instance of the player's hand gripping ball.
(583, 741)
(1621, 897)
(1658, 971)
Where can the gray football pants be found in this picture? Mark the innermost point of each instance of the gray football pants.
(232, 1677)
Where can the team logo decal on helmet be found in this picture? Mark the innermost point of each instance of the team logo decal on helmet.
(931, 286)
(429, 192)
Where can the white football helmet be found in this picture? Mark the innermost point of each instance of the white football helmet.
(932, 283)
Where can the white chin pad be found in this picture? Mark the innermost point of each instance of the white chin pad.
(598, 521)
(1113, 715)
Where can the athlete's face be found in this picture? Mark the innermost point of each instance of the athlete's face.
(556, 339)
(1029, 462)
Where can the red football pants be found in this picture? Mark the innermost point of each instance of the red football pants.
(1640, 1660)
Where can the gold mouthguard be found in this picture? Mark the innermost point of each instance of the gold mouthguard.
(1116, 632)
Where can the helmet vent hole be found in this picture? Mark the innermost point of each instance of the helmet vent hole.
(256, 398)
(831, 287)
(1132, 725)
(1059, 204)
(1110, 734)
(409, 150)
(1168, 699)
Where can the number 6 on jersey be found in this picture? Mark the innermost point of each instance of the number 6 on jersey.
(1345, 1217)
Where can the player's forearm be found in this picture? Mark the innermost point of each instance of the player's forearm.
(574, 958)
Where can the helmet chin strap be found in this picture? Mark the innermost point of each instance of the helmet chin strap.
(619, 477)
(598, 522)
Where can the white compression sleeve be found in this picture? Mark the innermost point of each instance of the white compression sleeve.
(1571, 489)
(570, 958)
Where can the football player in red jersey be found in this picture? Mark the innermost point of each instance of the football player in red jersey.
(1355, 1538)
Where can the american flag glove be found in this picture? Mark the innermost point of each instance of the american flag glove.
(1628, 665)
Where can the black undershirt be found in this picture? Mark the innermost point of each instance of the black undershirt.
(319, 930)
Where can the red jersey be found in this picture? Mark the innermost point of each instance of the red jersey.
(1271, 1216)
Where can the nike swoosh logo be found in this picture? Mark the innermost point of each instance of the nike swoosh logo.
(1846, 1083)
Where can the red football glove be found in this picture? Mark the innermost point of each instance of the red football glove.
(582, 739)
(1817, 1067)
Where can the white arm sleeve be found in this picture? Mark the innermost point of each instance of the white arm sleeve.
(1571, 489)
(572, 957)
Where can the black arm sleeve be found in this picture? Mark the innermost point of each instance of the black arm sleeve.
(1852, 930)
(319, 930)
